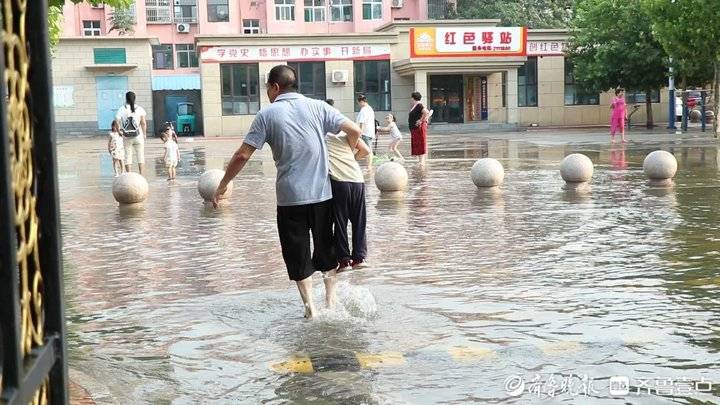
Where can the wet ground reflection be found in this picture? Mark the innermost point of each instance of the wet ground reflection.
(174, 302)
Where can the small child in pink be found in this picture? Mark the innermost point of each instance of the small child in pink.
(617, 119)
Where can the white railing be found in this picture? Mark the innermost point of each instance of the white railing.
(189, 20)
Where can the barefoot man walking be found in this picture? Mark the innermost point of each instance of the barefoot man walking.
(295, 126)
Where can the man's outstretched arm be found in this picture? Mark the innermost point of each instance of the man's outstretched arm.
(237, 163)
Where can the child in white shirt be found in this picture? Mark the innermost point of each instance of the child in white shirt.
(395, 135)
(172, 153)
(116, 148)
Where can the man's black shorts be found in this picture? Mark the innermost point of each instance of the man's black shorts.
(295, 223)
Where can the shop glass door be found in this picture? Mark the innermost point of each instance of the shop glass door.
(446, 98)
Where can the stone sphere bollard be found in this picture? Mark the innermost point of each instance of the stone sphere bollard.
(130, 188)
(487, 172)
(695, 115)
(391, 176)
(709, 116)
(576, 168)
(208, 183)
(660, 166)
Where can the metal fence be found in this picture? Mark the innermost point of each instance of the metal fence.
(32, 328)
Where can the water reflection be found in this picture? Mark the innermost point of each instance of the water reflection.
(177, 302)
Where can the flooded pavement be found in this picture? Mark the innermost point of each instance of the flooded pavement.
(530, 294)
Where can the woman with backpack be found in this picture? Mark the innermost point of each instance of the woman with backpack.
(133, 127)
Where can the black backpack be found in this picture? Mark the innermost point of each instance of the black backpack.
(130, 127)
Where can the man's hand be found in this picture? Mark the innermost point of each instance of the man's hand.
(222, 188)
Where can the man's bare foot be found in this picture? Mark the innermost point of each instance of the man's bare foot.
(309, 312)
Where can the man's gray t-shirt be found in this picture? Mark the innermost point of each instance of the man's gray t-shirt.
(295, 126)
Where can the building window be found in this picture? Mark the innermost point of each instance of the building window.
(372, 78)
(251, 26)
(372, 9)
(240, 88)
(218, 11)
(314, 10)
(185, 11)
(311, 78)
(285, 10)
(341, 10)
(158, 11)
(162, 56)
(186, 55)
(527, 83)
(638, 97)
(108, 56)
(91, 28)
(573, 95)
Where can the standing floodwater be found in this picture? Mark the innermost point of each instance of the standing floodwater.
(473, 295)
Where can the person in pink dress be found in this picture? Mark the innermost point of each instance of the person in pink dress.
(617, 119)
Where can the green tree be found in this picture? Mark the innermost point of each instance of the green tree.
(689, 30)
(527, 13)
(122, 20)
(55, 15)
(612, 45)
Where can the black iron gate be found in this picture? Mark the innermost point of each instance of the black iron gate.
(32, 328)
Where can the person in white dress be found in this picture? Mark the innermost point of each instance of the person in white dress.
(395, 135)
(116, 148)
(172, 154)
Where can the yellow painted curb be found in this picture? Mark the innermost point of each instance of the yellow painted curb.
(555, 348)
(470, 353)
(384, 359)
(302, 365)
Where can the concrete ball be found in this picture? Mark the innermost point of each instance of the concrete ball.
(660, 165)
(208, 183)
(576, 168)
(130, 188)
(695, 115)
(487, 172)
(391, 176)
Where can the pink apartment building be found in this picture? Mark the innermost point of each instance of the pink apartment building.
(170, 28)
(202, 64)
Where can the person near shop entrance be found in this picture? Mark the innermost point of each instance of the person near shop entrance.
(366, 120)
(131, 118)
(418, 123)
(295, 126)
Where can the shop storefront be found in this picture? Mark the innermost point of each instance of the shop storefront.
(469, 73)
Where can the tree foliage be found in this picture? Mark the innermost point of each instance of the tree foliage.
(529, 13)
(689, 30)
(122, 20)
(612, 45)
(55, 16)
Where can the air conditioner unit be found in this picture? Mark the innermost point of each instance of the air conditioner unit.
(340, 76)
(183, 28)
(396, 4)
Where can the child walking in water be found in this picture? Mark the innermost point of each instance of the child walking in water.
(116, 148)
(617, 119)
(172, 153)
(395, 135)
